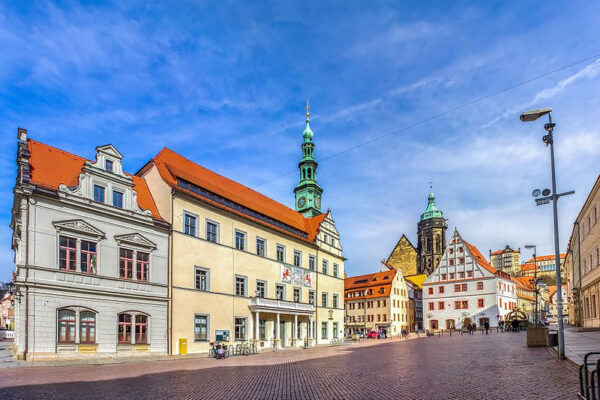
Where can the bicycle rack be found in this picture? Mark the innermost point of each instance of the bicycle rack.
(585, 376)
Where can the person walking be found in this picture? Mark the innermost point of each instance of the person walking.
(515, 325)
(487, 326)
(469, 328)
(501, 325)
(474, 327)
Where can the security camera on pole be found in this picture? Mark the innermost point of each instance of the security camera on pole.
(529, 116)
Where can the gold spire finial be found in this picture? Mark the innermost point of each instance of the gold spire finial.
(307, 106)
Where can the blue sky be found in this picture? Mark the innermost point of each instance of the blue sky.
(224, 83)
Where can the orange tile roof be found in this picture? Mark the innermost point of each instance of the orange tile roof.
(480, 259)
(51, 166)
(374, 281)
(545, 258)
(172, 166)
(552, 291)
(498, 252)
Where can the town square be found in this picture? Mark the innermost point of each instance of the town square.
(299, 200)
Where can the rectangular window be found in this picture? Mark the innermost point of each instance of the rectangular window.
(202, 279)
(335, 330)
(240, 240)
(463, 287)
(469, 274)
(201, 323)
(465, 304)
(297, 293)
(457, 288)
(260, 247)
(124, 328)
(325, 266)
(461, 275)
(311, 262)
(444, 277)
(189, 224)
(67, 253)
(262, 329)
(323, 330)
(430, 290)
(480, 303)
(452, 261)
(279, 292)
(280, 253)
(212, 231)
(126, 263)
(87, 327)
(240, 286)
(335, 270)
(457, 305)
(431, 306)
(88, 257)
(141, 329)
(335, 301)
(441, 305)
(461, 261)
(479, 285)
(297, 258)
(239, 329)
(311, 297)
(117, 199)
(143, 266)
(323, 299)
(452, 275)
(261, 289)
(441, 290)
(99, 193)
(108, 165)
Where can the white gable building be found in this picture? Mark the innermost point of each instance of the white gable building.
(465, 288)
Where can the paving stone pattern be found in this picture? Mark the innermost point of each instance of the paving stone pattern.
(495, 366)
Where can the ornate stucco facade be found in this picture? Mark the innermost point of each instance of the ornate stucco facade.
(91, 256)
(243, 266)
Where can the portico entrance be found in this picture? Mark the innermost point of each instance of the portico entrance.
(290, 323)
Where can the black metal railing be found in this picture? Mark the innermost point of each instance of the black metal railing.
(589, 381)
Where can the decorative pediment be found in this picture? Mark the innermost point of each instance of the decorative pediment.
(135, 239)
(78, 226)
(111, 150)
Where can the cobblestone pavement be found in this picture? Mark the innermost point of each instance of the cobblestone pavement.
(495, 366)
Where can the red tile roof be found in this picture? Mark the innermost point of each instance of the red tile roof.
(480, 259)
(172, 166)
(552, 291)
(545, 258)
(51, 166)
(374, 281)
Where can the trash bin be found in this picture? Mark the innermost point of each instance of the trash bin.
(552, 338)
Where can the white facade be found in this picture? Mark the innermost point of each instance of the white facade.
(68, 302)
(464, 289)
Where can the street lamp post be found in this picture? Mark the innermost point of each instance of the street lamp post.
(528, 116)
(532, 246)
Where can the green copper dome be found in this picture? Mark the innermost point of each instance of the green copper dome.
(307, 135)
(431, 211)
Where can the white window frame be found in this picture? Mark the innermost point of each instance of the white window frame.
(196, 228)
(277, 252)
(196, 269)
(264, 246)
(207, 327)
(299, 254)
(245, 285)
(218, 233)
(245, 235)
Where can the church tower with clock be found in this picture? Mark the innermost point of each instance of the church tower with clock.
(308, 192)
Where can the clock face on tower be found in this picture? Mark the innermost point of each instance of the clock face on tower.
(301, 201)
(318, 202)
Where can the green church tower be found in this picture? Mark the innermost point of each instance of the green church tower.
(308, 192)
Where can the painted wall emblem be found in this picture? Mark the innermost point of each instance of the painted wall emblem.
(296, 276)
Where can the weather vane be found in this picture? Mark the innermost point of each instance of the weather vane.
(430, 184)
(307, 106)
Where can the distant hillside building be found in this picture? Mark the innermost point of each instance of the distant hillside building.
(546, 267)
(507, 260)
(404, 257)
(464, 289)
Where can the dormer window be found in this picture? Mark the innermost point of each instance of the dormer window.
(99, 193)
(108, 165)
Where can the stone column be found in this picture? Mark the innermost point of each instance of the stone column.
(257, 326)
(310, 327)
(295, 333)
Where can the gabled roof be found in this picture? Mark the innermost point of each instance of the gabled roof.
(402, 238)
(480, 259)
(371, 281)
(173, 167)
(51, 167)
(552, 292)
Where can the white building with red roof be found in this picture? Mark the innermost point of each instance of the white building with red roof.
(91, 256)
(464, 288)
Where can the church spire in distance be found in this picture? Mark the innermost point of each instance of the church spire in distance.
(308, 192)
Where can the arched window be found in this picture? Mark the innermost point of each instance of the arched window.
(429, 244)
(438, 247)
(124, 328)
(141, 329)
(87, 327)
(66, 326)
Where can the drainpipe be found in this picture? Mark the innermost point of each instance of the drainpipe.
(26, 282)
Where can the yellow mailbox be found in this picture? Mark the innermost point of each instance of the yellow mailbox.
(183, 346)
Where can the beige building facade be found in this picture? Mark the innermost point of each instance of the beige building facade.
(583, 259)
(377, 302)
(244, 267)
(506, 260)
